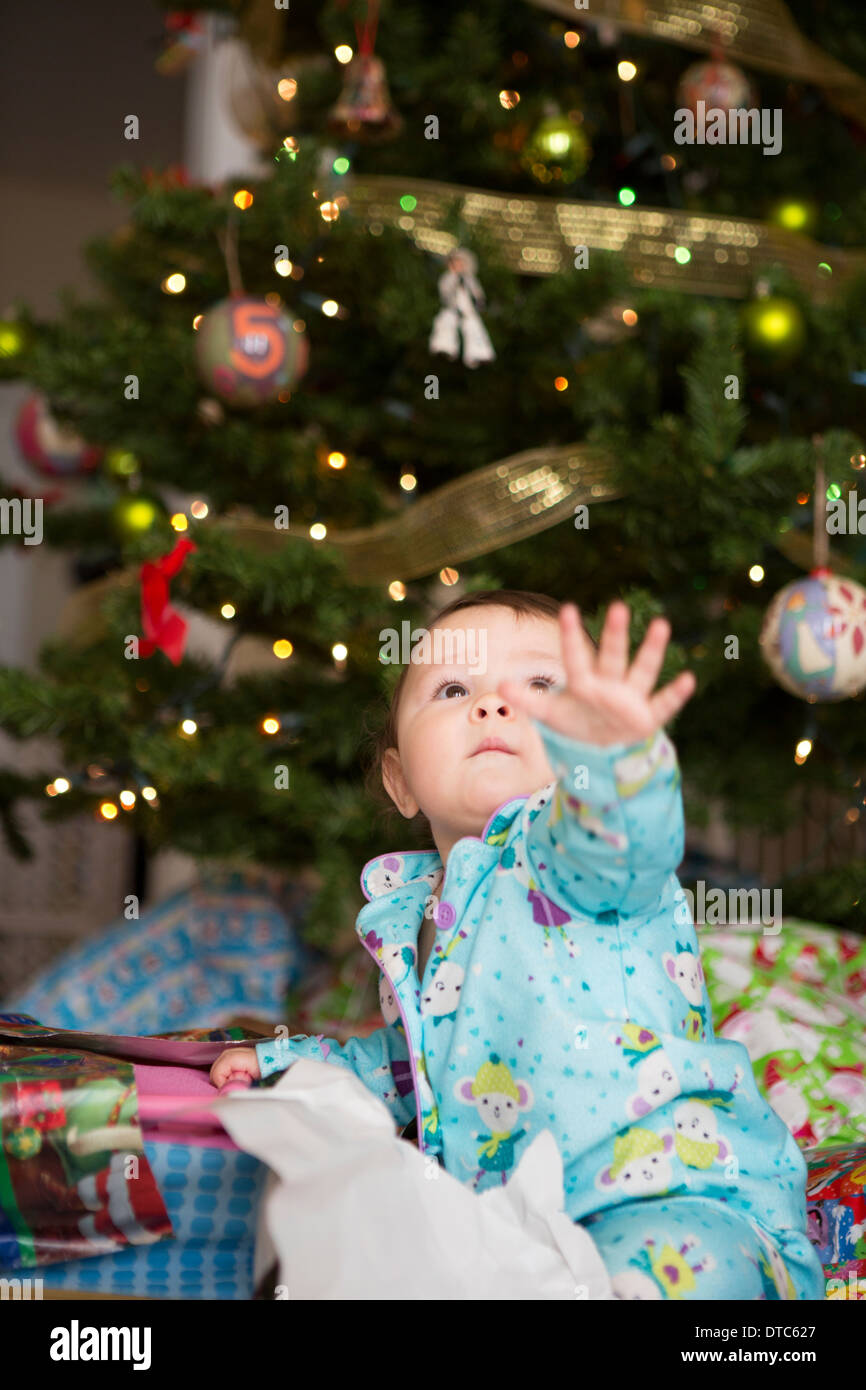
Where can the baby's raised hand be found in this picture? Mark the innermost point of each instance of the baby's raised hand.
(604, 699)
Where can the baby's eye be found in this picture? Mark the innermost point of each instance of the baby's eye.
(446, 687)
(545, 682)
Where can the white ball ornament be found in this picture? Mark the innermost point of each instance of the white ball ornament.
(814, 637)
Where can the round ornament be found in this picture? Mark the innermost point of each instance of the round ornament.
(248, 351)
(774, 328)
(814, 637)
(717, 84)
(24, 1142)
(796, 215)
(51, 449)
(134, 514)
(14, 338)
(557, 149)
(120, 463)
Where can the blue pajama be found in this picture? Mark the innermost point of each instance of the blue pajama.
(691, 1248)
(565, 992)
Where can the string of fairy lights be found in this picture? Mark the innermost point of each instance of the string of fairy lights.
(791, 214)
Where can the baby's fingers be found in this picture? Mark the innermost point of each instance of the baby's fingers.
(222, 1068)
(670, 700)
(644, 671)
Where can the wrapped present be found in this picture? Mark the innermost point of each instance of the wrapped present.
(115, 1176)
(74, 1176)
(223, 947)
(836, 1211)
(796, 999)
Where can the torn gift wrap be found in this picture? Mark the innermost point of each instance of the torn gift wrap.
(352, 1211)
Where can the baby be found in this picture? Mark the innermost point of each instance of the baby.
(540, 968)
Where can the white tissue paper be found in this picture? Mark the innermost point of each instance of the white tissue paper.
(352, 1211)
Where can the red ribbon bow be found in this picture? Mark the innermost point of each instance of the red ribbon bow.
(163, 627)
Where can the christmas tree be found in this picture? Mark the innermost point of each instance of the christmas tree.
(484, 319)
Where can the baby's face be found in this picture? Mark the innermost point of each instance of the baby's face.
(448, 710)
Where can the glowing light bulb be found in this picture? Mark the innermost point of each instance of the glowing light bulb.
(329, 307)
(397, 590)
(189, 727)
(449, 576)
(626, 70)
(339, 651)
(343, 53)
(243, 199)
(283, 268)
(174, 283)
(756, 573)
(61, 785)
(127, 800)
(108, 810)
(283, 649)
(179, 521)
(199, 509)
(270, 724)
(228, 610)
(318, 531)
(408, 482)
(337, 460)
(149, 793)
(561, 383)
(287, 88)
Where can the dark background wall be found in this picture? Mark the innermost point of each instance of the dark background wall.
(69, 73)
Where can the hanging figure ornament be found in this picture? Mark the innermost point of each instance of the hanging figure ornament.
(462, 297)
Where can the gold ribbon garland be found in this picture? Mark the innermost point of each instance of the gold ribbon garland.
(760, 33)
(493, 506)
(538, 236)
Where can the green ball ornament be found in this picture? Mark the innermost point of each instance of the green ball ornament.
(248, 351)
(774, 328)
(14, 338)
(558, 149)
(24, 1142)
(795, 215)
(134, 515)
(120, 463)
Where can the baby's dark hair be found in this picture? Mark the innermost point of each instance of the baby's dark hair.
(521, 601)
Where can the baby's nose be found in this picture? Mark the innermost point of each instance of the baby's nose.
(492, 704)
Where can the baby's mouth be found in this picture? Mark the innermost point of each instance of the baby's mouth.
(492, 745)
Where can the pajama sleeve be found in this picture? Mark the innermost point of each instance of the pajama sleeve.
(610, 833)
(377, 1061)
